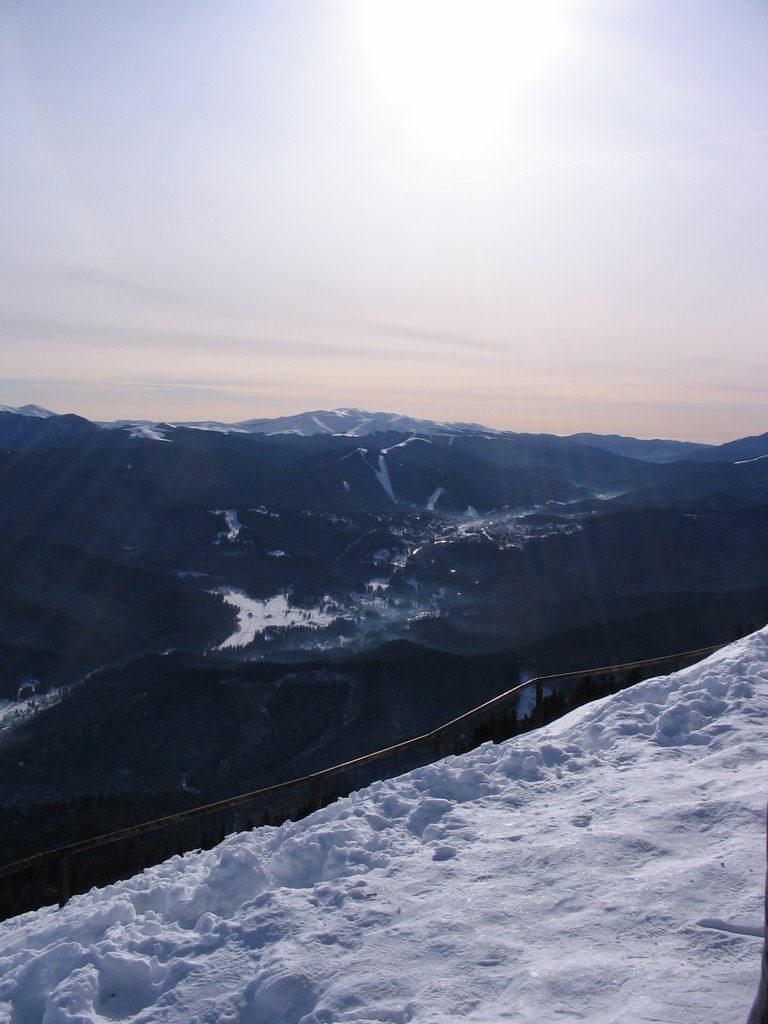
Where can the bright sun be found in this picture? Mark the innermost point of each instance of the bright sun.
(454, 74)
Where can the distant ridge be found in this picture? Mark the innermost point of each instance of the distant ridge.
(360, 423)
(344, 421)
(655, 450)
(352, 423)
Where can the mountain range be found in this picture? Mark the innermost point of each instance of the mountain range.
(358, 528)
(300, 589)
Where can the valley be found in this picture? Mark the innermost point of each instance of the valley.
(187, 612)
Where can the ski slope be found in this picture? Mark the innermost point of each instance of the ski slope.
(608, 868)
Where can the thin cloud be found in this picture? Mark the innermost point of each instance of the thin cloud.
(590, 161)
(121, 285)
(206, 386)
(403, 332)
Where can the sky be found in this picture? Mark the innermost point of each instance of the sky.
(607, 868)
(540, 216)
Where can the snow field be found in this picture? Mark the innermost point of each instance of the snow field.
(256, 615)
(607, 868)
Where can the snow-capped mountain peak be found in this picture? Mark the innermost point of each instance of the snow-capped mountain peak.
(350, 422)
(29, 410)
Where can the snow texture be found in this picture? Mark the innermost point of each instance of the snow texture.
(608, 868)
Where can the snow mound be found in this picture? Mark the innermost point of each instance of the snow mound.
(606, 868)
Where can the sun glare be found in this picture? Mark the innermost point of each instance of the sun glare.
(454, 75)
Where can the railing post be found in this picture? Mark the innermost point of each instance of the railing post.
(538, 711)
(438, 746)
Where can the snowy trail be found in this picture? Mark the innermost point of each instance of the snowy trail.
(608, 868)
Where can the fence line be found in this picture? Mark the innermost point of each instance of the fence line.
(315, 780)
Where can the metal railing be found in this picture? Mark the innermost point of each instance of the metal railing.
(314, 782)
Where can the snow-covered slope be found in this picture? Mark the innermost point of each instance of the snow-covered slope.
(607, 869)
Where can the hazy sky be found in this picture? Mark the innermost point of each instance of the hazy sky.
(544, 216)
